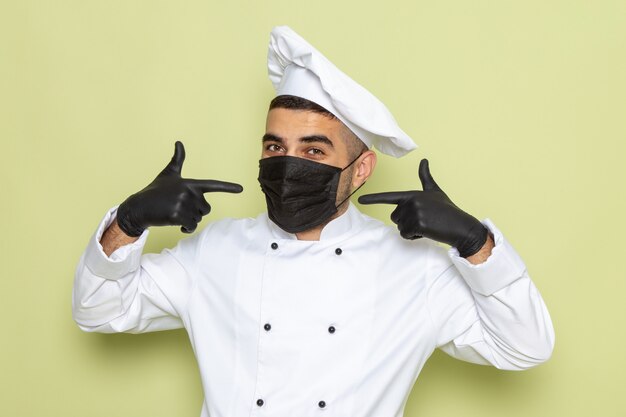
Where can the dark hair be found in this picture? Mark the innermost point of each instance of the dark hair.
(299, 103)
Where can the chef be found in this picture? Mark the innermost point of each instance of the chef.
(313, 308)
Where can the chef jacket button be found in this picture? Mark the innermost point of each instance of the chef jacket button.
(267, 326)
(338, 251)
(322, 404)
(331, 329)
(274, 245)
(260, 402)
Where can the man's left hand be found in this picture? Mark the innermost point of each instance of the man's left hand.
(430, 213)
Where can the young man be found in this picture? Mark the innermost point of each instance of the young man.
(314, 307)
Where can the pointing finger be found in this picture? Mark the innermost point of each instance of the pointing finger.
(428, 183)
(176, 163)
(394, 197)
(209, 186)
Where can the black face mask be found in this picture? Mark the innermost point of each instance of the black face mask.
(300, 193)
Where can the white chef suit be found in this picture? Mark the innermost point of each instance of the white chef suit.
(339, 327)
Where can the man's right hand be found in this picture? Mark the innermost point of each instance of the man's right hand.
(170, 200)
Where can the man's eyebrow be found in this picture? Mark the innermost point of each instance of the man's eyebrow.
(268, 137)
(317, 138)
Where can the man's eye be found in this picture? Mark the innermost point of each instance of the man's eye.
(273, 148)
(315, 151)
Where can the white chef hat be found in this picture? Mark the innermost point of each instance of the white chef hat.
(296, 68)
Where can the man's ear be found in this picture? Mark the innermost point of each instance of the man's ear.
(364, 168)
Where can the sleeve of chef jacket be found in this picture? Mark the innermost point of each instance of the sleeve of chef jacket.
(490, 313)
(128, 292)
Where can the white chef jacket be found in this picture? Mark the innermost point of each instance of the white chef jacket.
(339, 327)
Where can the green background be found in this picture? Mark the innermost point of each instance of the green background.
(520, 107)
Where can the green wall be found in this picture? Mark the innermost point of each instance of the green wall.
(519, 105)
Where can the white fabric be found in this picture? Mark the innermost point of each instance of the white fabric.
(391, 301)
(296, 68)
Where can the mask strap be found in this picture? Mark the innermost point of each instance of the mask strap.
(357, 188)
(345, 199)
(353, 161)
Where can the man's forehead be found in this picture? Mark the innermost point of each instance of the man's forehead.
(295, 124)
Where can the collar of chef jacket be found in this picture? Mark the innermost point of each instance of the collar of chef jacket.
(350, 221)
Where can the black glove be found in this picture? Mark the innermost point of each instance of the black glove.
(432, 214)
(170, 200)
